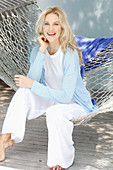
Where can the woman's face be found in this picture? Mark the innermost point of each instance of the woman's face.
(52, 27)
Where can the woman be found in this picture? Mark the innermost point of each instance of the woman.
(60, 93)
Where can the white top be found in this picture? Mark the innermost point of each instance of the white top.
(53, 69)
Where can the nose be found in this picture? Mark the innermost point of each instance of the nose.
(51, 28)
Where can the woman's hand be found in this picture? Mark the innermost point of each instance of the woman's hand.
(43, 43)
(23, 81)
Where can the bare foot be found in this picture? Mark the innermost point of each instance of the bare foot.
(2, 154)
(3, 147)
(8, 144)
(57, 167)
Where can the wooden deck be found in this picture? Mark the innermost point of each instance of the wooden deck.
(93, 143)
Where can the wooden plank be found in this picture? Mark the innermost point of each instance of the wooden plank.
(7, 168)
(93, 143)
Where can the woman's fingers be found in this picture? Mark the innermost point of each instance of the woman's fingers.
(43, 40)
(17, 79)
(16, 75)
(42, 37)
(43, 43)
(23, 81)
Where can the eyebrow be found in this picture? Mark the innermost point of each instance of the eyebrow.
(54, 22)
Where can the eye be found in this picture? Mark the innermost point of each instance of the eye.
(56, 24)
(46, 23)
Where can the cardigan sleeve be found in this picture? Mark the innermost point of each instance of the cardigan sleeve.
(36, 64)
(65, 94)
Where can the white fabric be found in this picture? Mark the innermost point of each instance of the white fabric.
(60, 144)
(53, 69)
(26, 104)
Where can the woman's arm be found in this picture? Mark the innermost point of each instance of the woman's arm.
(36, 68)
(37, 59)
(65, 94)
(36, 64)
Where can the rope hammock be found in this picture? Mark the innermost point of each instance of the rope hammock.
(17, 38)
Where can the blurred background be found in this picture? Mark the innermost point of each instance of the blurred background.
(88, 18)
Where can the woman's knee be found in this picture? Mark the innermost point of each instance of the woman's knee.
(23, 92)
(54, 111)
(23, 89)
(54, 115)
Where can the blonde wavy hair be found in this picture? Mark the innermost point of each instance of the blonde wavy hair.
(66, 38)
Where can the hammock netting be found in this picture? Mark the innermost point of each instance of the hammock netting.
(18, 37)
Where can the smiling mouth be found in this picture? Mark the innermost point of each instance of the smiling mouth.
(51, 34)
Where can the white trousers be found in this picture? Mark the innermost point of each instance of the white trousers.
(27, 105)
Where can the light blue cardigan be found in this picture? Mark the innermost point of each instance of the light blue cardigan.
(72, 88)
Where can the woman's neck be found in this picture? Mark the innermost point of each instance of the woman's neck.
(52, 48)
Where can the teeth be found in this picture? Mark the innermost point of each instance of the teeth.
(51, 33)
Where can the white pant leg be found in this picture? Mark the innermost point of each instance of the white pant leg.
(24, 105)
(60, 144)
